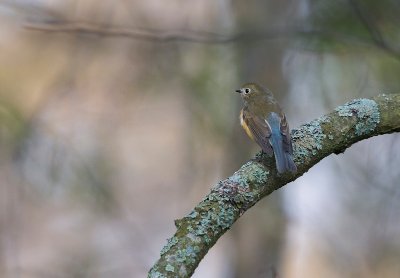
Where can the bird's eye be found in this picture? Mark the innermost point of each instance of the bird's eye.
(246, 90)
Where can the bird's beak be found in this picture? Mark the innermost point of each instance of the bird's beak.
(238, 91)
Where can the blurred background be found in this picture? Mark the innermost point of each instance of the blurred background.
(117, 117)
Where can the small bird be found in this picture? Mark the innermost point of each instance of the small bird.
(264, 122)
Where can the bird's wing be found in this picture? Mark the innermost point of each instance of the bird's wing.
(259, 129)
(285, 131)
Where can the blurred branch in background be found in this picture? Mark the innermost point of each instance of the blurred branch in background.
(368, 20)
(193, 36)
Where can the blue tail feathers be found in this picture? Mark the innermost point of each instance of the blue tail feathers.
(284, 160)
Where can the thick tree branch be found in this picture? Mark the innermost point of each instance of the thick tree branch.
(229, 199)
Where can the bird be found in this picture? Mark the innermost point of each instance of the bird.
(264, 122)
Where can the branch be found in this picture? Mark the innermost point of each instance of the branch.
(154, 35)
(229, 199)
(370, 25)
(204, 37)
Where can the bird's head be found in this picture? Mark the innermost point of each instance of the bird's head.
(251, 91)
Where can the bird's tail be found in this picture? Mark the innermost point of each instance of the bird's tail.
(284, 160)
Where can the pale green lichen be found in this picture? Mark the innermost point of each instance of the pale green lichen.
(212, 219)
(155, 274)
(257, 175)
(225, 219)
(366, 111)
(215, 220)
(183, 271)
(194, 238)
(185, 255)
(170, 242)
(243, 200)
(169, 268)
(243, 188)
(200, 231)
(237, 178)
(308, 139)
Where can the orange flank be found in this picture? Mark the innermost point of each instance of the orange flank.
(245, 126)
